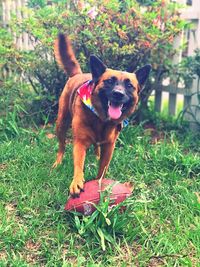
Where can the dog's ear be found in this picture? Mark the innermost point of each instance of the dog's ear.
(97, 67)
(142, 74)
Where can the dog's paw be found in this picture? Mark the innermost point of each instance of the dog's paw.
(57, 162)
(55, 165)
(76, 187)
(59, 159)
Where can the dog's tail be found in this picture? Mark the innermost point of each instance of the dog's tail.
(65, 55)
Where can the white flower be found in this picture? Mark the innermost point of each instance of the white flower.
(92, 13)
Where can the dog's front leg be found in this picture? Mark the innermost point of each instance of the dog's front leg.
(79, 153)
(105, 158)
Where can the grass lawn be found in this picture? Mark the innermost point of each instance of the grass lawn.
(161, 226)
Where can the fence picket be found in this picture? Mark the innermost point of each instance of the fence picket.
(158, 100)
(172, 104)
(194, 43)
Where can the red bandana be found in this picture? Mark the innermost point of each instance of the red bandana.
(85, 92)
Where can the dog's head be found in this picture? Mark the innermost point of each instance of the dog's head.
(116, 93)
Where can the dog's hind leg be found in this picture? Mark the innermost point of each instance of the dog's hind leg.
(61, 128)
(62, 125)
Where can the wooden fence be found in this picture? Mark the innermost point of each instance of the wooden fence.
(9, 7)
(191, 104)
(192, 13)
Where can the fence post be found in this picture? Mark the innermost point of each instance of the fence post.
(178, 40)
(176, 59)
(6, 12)
(158, 100)
(25, 36)
(194, 43)
(158, 93)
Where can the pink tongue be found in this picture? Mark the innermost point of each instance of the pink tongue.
(114, 112)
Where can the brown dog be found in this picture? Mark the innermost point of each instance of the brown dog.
(96, 105)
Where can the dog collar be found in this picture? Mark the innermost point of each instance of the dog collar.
(85, 92)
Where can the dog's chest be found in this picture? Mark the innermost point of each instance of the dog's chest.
(103, 132)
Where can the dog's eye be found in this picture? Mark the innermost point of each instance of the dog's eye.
(129, 85)
(111, 80)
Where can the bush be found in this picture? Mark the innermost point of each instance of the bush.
(186, 71)
(123, 34)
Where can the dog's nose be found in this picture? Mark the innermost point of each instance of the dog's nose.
(118, 94)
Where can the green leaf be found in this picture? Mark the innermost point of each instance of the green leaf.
(102, 238)
(77, 222)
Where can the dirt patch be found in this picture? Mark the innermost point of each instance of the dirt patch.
(12, 215)
(3, 255)
(32, 246)
(156, 136)
(32, 253)
(33, 259)
(128, 254)
(11, 209)
(3, 166)
(156, 262)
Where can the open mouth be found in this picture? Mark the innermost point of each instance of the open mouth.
(114, 110)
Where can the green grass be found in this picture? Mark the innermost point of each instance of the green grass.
(161, 226)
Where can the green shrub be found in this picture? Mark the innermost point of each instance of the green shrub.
(124, 35)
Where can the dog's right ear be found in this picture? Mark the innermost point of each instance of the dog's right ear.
(142, 75)
(97, 67)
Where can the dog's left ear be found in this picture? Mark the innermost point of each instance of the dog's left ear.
(97, 67)
(142, 74)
